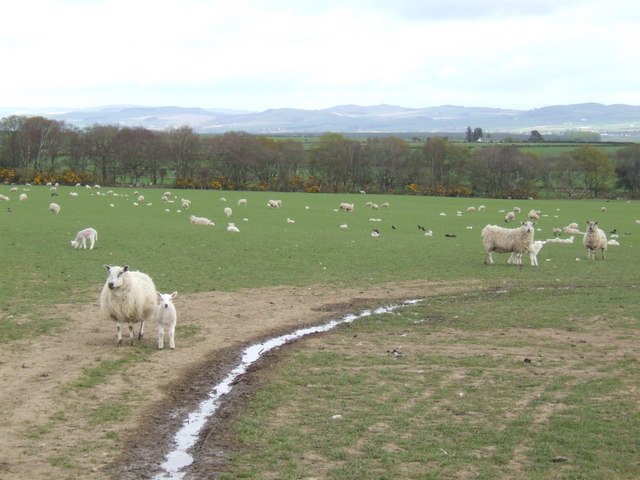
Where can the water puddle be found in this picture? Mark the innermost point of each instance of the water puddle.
(178, 459)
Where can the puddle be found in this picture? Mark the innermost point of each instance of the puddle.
(178, 459)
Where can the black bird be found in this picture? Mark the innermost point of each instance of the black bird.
(614, 230)
(393, 227)
(422, 228)
(450, 235)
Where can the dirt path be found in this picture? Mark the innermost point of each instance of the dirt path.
(53, 428)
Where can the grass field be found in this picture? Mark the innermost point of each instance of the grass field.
(455, 400)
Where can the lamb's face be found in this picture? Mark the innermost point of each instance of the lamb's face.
(74, 244)
(116, 276)
(166, 299)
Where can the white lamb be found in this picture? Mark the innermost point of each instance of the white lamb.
(227, 212)
(127, 297)
(533, 253)
(166, 318)
(594, 239)
(507, 240)
(200, 220)
(509, 217)
(54, 208)
(82, 237)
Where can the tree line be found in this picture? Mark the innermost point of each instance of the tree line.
(37, 149)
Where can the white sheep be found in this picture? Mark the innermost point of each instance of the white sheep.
(200, 220)
(509, 217)
(185, 204)
(346, 207)
(385, 205)
(471, 209)
(507, 240)
(594, 239)
(533, 253)
(54, 208)
(13, 189)
(140, 198)
(23, 197)
(274, 203)
(227, 212)
(3, 198)
(73, 194)
(82, 237)
(242, 202)
(166, 319)
(534, 214)
(290, 220)
(127, 297)
(232, 228)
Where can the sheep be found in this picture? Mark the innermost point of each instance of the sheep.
(471, 209)
(82, 237)
(13, 189)
(274, 203)
(557, 231)
(185, 204)
(594, 239)
(385, 205)
(505, 240)
(164, 199)
(290, 220)
(534, 215)
(73, 194)
(242, 202)
(516, 209)
(127, 297)
(533, 253)
(54, 208)
(140, 198)
(166, 319)
(346, 207)
(481, 208)
(375, 232)
(560, 240)
(200, 220)
(23, 197)
(227, 212)
(509, 217)
(232, 228)
(3, 198)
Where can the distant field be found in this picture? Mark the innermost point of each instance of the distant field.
(42, 267)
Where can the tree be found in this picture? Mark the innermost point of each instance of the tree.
(333, 158)
(386, 158)
(597, 168)
(100, 144)
(535, 137)
(628, 168)
(182, 148)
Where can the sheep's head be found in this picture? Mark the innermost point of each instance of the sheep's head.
(527, 226)
(592, 226)
(116, 275)
(74, 244)
(166, 299)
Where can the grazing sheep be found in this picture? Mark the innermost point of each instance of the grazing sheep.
(164, 199)
(166, 318)
(3, 198)
(127, 297)
(200, 220)
(346, 207)
(140, 198)
(506, 240)
(603, 209)
(242, 202)
(516, 209)
(23, 197)
(13, 189)
(481, 208)
(82, 237)
(274, 203)
(534, 214)
(509, 217)
(471, 209)
(533, 253)
(185, 204)
(54, 208)
(385, 205)
(227, 212)
(594, 239)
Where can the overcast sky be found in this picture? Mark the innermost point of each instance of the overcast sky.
(261, 54)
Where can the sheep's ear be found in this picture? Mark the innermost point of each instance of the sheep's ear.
(159, 295)
(174, 294)
(108, 267)
(126, 268)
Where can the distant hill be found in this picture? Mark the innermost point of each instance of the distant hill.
(618, 120)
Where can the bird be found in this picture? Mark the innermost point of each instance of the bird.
(422, 228)
(393, 226)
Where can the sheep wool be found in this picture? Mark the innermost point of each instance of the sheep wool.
(127, 297)
(507, 240)
(594, 239)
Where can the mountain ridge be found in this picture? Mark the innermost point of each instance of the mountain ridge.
(351, 118)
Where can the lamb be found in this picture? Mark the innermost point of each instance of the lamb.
(200, 220)
(127, 297)
(54, 208)
(505, 240)
(82, 237)
(227, 212)
(166, 319)
(533, 253)
(594, 239)
(509, 217)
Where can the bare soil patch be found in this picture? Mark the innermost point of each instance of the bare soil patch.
(51, 429)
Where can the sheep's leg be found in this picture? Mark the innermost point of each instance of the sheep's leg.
(119, 344)
(172, 332)
(160, 337)
(141, 334)
(131, 335)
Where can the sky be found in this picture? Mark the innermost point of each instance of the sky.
(256, 55)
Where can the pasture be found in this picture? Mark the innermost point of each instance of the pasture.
(40, 269)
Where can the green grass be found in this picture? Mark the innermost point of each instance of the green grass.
(459, 400)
